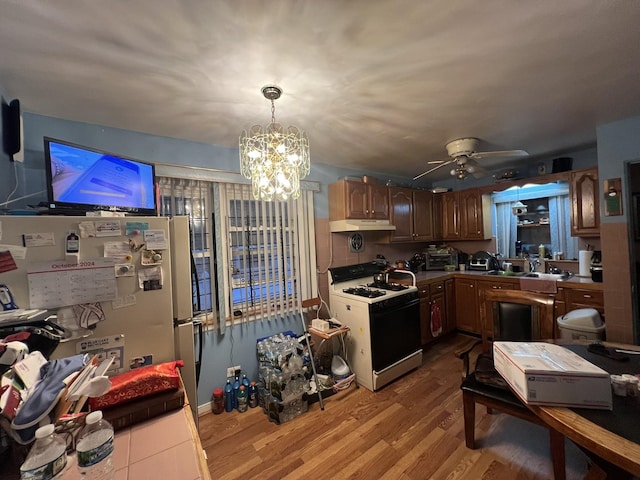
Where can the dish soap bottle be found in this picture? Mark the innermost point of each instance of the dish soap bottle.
(542, 251)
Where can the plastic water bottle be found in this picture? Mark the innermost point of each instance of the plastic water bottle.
(95, 448)
(242, 399)
(236, 387)
(47, 458)
(253, 395)
(245, 382)
(228, 396)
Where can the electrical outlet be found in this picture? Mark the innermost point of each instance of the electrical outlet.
(233, 371)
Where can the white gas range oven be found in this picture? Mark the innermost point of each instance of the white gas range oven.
(384, 319)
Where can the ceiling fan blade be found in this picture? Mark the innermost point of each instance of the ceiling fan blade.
(500, 153)
(437, 162)
(433, 169)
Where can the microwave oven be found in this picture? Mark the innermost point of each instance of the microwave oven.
(437, 261)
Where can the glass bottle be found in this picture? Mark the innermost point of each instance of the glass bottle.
(218, 404)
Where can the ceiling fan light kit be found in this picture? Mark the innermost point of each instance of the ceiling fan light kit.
(462, 152)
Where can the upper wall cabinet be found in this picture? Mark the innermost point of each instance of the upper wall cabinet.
(585, 205)
(466, 215)
(411, 211)
(349, 199)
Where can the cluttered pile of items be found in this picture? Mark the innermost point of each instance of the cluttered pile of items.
(52, 403)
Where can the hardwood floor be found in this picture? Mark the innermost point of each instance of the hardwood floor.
(411, 429)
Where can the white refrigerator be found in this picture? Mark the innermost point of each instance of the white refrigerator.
(125, 292)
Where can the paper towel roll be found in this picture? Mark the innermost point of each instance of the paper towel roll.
(584, 262)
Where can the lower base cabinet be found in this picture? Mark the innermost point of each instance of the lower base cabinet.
(434, 318)
(467, 313)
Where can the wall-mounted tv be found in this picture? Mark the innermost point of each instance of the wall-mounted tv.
(82, 179)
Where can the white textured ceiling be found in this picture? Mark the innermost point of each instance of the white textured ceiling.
(381, 85)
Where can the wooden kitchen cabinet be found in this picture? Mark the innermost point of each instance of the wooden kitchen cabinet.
(431, 294)
(568, 299)
(585, 203)
(466, 215)
(401, 214)
(475, 216)
(492, 284)
(450, 217)
(450, 300)
(437, 216)
(580, 298)
(467, 312)
(350, 199)
(411, 212)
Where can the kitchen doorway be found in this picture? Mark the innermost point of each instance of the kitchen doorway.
(633, 174)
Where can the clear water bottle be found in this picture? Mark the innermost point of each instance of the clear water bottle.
(95, 448)
(228, 396)
(47, 458)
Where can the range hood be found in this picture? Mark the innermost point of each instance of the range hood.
(357, 225)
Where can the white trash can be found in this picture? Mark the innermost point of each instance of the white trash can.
(581, 324)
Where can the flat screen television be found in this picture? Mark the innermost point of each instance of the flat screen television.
(82, 179)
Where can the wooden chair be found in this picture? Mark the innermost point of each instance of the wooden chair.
(499, 310)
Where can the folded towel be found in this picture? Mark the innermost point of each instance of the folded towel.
(538, 285)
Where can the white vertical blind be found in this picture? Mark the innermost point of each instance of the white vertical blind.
(270, 257)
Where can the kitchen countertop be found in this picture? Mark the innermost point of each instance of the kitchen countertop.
(572, 282)
(167, 446)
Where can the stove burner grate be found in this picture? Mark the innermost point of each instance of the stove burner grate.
(364, 292)
(394, 287)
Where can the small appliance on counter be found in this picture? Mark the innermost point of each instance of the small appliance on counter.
(437, 261)
(596, 266)
(483, 261)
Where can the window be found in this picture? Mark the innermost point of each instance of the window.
(546, 222)
(268, 253)
(193, 198)
(250, 259)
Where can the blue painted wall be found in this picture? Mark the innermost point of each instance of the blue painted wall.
(237, 346)
(618, 144)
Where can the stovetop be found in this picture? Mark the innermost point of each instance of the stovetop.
(394, 287)
(354, 282)
(364, 292)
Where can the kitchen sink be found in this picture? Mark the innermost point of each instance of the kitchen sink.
(502, 273)
(550, 276)
(543, 276)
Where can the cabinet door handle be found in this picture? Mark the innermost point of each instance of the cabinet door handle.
(586, 295)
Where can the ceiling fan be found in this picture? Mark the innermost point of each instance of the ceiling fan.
(464, 155)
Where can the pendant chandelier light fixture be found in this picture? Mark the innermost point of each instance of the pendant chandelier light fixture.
(274, 159)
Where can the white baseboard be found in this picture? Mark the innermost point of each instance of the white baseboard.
(204, 409)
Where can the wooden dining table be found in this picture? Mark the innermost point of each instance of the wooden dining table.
(613, 436)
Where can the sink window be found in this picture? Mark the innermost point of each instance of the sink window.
(546, 220)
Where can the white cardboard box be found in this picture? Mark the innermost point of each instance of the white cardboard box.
(547, 374)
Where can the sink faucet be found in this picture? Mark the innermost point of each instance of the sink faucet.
(534, 263)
